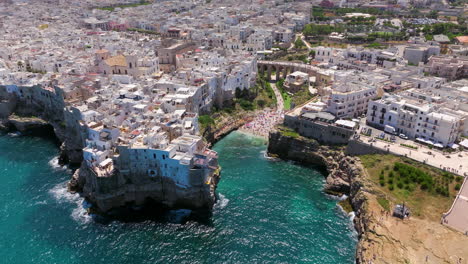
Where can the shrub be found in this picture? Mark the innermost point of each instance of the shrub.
(457, 187)
(205, 121)
(246, 105)
(382, 182)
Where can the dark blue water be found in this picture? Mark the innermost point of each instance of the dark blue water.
(269, 212)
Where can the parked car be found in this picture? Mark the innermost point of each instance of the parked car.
(403, 136)
(389, 129)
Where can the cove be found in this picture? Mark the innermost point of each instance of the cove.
(268, 212)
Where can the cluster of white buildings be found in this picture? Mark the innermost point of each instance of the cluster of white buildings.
(139, 95)
(411, 87)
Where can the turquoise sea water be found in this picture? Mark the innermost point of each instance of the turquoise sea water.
(269, 212)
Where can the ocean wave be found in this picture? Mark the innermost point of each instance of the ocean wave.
(265, 156)
(222, 202)
(352, 215)
(14, 134)
(343, 197)
(54, 163)
(62, 195)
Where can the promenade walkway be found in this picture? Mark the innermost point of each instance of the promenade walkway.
(456, 163)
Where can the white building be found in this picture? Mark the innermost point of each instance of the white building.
(417, 119)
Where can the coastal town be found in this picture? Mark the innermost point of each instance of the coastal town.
(139, 91)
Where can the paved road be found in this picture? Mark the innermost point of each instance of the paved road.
(305, 42)
(457, 217)
(279, 98)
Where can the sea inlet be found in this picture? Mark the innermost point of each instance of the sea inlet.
(268, 212)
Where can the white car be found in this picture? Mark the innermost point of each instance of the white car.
(403, 136)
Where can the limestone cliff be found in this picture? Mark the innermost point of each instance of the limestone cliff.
(37, 110)
(344, 174)
(116, 191)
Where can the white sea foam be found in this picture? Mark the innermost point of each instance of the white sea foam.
(54, 163)
(343, 197)
(265, 155)
(222, 202)
(62, 195)
(352, 215)
(14, 134)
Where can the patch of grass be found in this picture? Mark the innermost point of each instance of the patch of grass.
(384, 203)
(284, 94)
(301, 96)
(112, 8)
(144, 31)
(408, 146)
(428, 191)
(346, 205)
(288, 132)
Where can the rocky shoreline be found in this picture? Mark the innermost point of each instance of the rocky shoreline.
(69, 141)
(344, 176)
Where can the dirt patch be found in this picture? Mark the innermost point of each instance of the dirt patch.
(412, 240)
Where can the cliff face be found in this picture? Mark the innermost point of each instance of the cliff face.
(36, 111)
(114, 191)
(39, 110)
(345, 174)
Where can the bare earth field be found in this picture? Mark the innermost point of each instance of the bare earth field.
(412, 240)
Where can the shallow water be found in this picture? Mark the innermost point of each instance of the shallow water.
(268, 212)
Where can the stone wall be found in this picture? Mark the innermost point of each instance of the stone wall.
(355, 148)
(323, 132)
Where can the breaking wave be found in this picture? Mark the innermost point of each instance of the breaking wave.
(62, 195)
(352, 215)
(54, 163)
(222, 202)
(14, 134)
(265, 155)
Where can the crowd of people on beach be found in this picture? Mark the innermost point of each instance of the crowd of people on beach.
(263, 123)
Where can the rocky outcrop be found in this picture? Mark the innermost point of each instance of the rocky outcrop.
(213, 134)
(42, 111)
(344, 173)
(109, 195)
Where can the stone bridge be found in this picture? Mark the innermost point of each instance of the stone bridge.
(283, 68)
